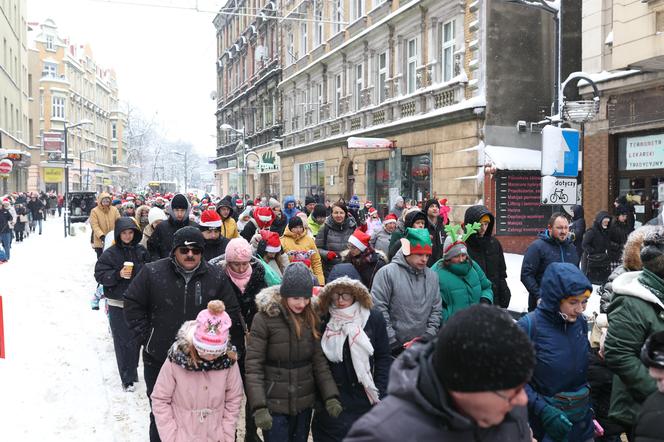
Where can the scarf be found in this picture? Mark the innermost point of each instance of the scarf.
(348, 324)
(179, 357)
(239, 279)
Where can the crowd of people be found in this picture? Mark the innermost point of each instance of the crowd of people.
(330, 319)
(23, 213)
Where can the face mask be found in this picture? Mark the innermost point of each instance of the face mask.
(460, 268)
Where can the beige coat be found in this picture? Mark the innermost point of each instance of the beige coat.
(102, 220)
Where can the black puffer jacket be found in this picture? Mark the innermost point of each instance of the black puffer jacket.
(333, 237)
(437, 234)
(649, 423)
(160, 299)
(109, 264)
(596, 245)
(161, 241)
(578, 228)
(215, 248)
(488, 253)
(618, 233)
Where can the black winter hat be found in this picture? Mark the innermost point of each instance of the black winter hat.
(319, 211)
(622, 210)
(179, 201)
(652, 251)
(297, 281)
(309, 199)
(225, 202)
(188, 236)
(294, 222)
(481, 348)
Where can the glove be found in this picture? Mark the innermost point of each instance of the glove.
(333, 407)
(263, 419)
(331, 256)
(556, 424)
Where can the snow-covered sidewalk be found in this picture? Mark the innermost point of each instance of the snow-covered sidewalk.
(59, 381)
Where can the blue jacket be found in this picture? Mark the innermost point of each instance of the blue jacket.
(542, 252)
(289, 212)
(561, 348)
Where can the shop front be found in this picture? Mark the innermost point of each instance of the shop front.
(310, 181)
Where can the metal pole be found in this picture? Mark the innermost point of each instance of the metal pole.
(185, 173)
(244, 163)
(87, 179)
(66, 180)
(80, 170)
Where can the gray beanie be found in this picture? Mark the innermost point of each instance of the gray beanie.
(297, 281)
(452, 249)
(652, 252)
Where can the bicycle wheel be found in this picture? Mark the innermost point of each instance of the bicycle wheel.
(553, 197)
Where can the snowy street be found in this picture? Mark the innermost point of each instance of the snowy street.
(59, 381)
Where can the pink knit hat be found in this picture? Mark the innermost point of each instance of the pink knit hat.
(212, 325)
(238, 250)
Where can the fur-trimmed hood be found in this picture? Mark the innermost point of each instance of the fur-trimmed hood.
(184, 338)
(632, 248)
(346, 285)
(268, 301)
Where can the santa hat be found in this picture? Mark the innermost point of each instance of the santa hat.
(272, 243)
(391, 218)
(239, 202)
(212, 328)
(372, 210)
(359, 239)
(263, 216)
(210, 219)
(368, 204)
(416, 241)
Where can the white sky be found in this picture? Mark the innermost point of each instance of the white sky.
(164, 58)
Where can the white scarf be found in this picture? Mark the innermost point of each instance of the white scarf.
(348, 323)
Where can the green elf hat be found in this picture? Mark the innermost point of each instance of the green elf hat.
(416, 241)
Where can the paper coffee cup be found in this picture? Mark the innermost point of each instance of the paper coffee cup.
(128, 267)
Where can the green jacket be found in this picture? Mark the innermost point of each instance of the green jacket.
(636, 311)
(461, 286)
(313, 225)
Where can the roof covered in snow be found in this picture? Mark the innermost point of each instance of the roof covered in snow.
(514, 158)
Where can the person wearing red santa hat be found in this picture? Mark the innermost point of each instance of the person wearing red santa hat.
(262, 219)
(210, 227)
(363, 257)
(380, 240)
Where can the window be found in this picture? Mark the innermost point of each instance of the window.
(338, 15)
(114, 130)
(311, 180)
(319, 94)
(337, 95)
(319, 27)
(357, 9)
(49, 43)
(359, 85)
(411, 65)
(290, 48)
(58, 107)
(303, 39)
(448, 51)
(382, 77)
(50, 70)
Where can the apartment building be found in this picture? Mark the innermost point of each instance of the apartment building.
(75, 91)
(623, 49)
(248, 113)
(14, 141)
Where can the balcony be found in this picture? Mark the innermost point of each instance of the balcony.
(372, 116)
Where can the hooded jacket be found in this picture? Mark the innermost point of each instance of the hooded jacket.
(461, 285)
(182, 412)
(228, 225)
(161, 297)
(291, 243)
(542, 252)
(333, 237)
(436, 232)
(561, 348)
(109, 264)
(313, 225)
(161, 240)
(102, 220)
(636, 311)
(578, 227)
(487, 252)
(409, 300)
(289, 213)
(418, 408)
(400, 232)
(596, 244)
(284, 372)
(380, 240)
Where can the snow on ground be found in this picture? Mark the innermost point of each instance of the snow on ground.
(59, 381)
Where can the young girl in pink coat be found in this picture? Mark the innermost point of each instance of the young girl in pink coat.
(199, 391)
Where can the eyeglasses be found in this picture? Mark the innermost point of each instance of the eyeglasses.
(509, 399)
(186, 250)
(209, 229)
(343, 296)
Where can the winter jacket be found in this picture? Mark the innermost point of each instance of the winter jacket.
(279, 225)
(367, 264)
(228, 225)
(283, 372)
(540, 253)
(6, 219)
(20, 226)
(215, 248)
(36, 208)
(256, 283)
(649, 423)
(147, 233)
(109, 264)
(196, 405)
(102, 220)
(561, 349)
(437, 234)
(409, 300)
(487, 252)
(161, 241)
(400, 232)
(289, 213)
(398, 211)
(578, 228)
(254, 225)
(636, 311)
(333, 237)
(418, 408)
(313, 225)
(618, 233)
(596, 244)
(291, 244)
(380, 241)
(352, 394)
(461, 285)
(160, 298)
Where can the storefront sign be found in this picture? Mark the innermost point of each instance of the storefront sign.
(369, 143)
(556, 190)
(107, 181)
(53, 175)
(644, 152)
(52, 142)
(6, 167)
(519, 211)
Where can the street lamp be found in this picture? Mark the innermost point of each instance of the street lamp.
(80, 168)
(185, 167)
(66, 128)
(227, 127)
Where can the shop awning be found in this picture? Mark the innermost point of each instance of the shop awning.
(514, 158)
